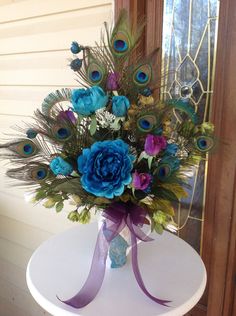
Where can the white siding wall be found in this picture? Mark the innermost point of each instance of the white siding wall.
(34, 39)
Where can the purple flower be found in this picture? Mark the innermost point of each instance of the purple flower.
(67, 115)
(141, 181)
(113, 81)
(154, 144)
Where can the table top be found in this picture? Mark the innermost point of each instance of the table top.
(170, 268)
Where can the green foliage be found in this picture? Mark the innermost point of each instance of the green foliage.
(175, 188)
(93, 125)
(84, 216)
(73, 216)
(59, 206)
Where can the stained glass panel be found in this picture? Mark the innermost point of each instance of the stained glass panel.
(189, 48)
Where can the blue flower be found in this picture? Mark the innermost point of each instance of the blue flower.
(87, 101)
(31, 133)
(120, 105)
(60, 167)
(146, 92)
(76, 64)
(106, 168)
(171, 149)
(75, 48)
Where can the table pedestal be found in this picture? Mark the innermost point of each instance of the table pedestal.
(170, 268)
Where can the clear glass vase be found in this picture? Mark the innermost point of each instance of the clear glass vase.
(119, 248)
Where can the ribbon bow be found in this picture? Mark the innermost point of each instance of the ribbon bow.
(117, 216)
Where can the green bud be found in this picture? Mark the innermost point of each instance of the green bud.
(159, 217)
(49, 203)
(84, 216)
(73, 216)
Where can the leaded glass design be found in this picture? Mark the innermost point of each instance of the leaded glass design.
(189, 49)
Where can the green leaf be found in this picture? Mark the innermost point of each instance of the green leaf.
(59, 206)
(57, 198)
(101, 200)
(158, 228)
(176, 189)
(40, 195)
(93, 125)
(68, 186)
(150, 158)
(164, 206)
(143, 155)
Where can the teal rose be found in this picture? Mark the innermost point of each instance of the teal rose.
(106, 168)
(87, 101)
(120, 105)
(60, 167)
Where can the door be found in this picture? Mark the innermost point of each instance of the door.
(198, 42)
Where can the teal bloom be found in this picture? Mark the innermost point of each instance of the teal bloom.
(31, 133)
(120, 105)
(76, 64)
(60, 167)
(106, 168)
(87, 101)
(171, 149)
(75, 48)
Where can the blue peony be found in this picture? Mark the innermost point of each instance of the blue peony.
(106, 168)
(120, 105)
(87, 101)
(60, 167)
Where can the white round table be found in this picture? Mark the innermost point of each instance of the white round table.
(170, 268)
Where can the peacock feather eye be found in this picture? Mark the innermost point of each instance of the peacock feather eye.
(142, 75)
(146, 123)
(120, 43)
(95, 73)
(204, 143)
(95, 76)
(61, 133)
(26, 148)
(164, 171)
(39, 173)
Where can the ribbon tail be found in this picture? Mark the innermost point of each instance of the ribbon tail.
(96, 275)
(138, 274)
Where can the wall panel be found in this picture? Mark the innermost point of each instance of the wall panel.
(35, 38)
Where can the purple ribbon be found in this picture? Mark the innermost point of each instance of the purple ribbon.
(117, 216)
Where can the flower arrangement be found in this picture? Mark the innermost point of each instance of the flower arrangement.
(113, 148)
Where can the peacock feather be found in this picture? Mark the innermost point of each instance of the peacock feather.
(204, 143)
(55, 98)
(33, 173)
(123, 39)
(21, 148)
(185, 107)
(163, 171)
